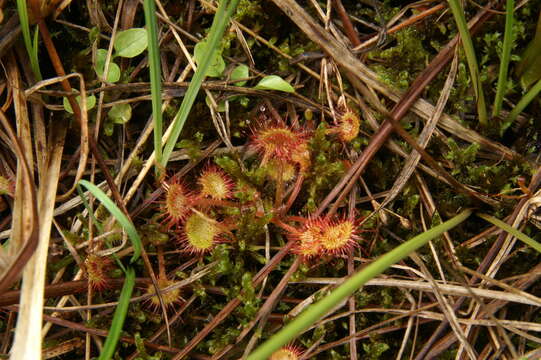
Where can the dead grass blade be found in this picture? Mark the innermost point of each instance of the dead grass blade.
(25, 226)
(27, 343)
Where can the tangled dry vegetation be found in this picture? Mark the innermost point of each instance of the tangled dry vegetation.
(321, 139)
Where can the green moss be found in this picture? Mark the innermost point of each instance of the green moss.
(374, 350)
(247, 9)
(398, 65)
(326, 168)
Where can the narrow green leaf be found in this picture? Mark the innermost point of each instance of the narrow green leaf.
(120, 113)
(119, 216)
(530, 64)
(119, 317)
(130, 43)
(219, 23)
(316, 311)
(274, 82)
(154, 63)
(240, 72)
(525, 101)
(511, 230)
(97, 223)
(467, 44)
(506, 56)
(34, 60)
(90, 103)
(31, 48)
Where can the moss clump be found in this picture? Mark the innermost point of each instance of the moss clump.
(398, 65)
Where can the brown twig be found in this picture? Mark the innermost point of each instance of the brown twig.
(346, 22)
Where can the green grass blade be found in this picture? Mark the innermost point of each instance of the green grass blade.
(322, 307)
(219, 23)
(82, 195)
(525, 101)
(120, 315)
(528, 69)
(97, 223)
(119, 216)
(155, 75)
(31, 49)
(511, 230)
(501, 87)
(467, 44)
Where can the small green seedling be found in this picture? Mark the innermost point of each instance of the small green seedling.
(128, 44)
(120, 113)
(240, 72)
(90, 103)
(274, 82)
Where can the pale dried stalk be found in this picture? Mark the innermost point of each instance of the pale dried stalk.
(447, 289)
(27, 344)
(446, 308)
(523, 325)
(508, 244)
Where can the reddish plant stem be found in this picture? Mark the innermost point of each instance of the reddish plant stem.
(213, 202)
(349, 29)
(296, 190)
(286, 227)
(161, 263)
(279, 185)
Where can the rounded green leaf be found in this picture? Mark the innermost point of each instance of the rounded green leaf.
(220, 104)
(90, 103)
(240, 72)
(217, 66)
(113, 75)
(130, 43)
(120, 113)
(274, 82)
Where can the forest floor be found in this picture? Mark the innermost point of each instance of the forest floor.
(321, 139)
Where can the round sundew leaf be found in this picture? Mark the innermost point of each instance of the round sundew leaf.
(130, 43)
(240, 72)
(120, 113)
(90, 103)
(274, 82)
(200, 233)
